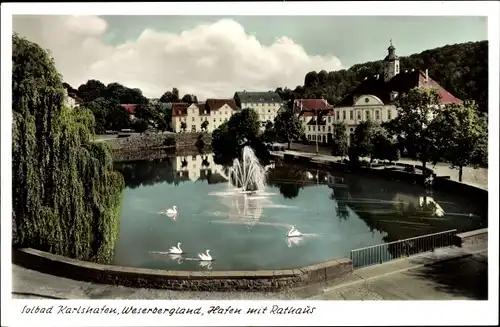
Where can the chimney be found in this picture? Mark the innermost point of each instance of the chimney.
(427, 75)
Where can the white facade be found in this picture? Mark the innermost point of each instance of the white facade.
(196, 114)
(69, 101)
(366, 107)
(267, 111)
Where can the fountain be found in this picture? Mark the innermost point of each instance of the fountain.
(247, 175)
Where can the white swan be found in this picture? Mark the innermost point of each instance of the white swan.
(172, 211)
(176, 249)
(293, 232)
(205, 257)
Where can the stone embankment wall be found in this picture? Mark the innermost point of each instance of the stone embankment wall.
(155, 146)
(479, 236)
(259, 280)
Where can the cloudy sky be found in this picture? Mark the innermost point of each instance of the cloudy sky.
(215, 56)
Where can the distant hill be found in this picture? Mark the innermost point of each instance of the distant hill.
(462, 69)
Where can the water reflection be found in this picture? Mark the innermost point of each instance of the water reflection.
(348, 210)
(293, 241)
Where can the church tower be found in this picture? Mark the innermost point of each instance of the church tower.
(391, 63)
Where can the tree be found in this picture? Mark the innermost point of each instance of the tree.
(170, 96)
(416, 126)
(287, 127)
(463, 135)
(65, 195)
(204, 125)
(141, 126)
(183, 126)
(363, 139)
(91, 90)
(189, 98)
(242, 129)
(340, 139)
(117, 117)
(269, 134)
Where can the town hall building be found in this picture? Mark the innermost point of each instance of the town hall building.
(375, 97)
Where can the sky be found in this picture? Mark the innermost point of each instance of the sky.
(215, 56)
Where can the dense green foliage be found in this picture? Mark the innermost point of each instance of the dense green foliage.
(242, 129)
(463, 136)
(66, 196)
(288, 127)
(462, 69)
(340, 139)
(104, 101)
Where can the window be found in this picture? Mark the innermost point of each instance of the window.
(220, 119)
(329, 128)
(359, 115)
(225, 119)
(309, 128)
(193, 119)
(268, 111)
(193, 128)
(367, 115)
(323, 128)
(351, 115)
(377, 115)
(215, 119)
(193, 157)
(343, 115)
(389, 114)
(314, 128)
(329, 119)
(337, 115)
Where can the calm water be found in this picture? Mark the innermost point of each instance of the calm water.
(336, 212)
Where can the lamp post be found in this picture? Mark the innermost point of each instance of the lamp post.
(317, 117)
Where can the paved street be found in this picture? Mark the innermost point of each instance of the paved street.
(458, 278)
(477, 177)
(464, 278)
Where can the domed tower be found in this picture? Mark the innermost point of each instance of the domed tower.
(391, 63)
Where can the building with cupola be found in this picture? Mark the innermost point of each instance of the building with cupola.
(375, 97)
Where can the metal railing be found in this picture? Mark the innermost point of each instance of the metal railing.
(381, 253)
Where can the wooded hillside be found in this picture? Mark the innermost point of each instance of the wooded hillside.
(462, 69)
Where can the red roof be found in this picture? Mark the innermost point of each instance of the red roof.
(216, 104)
(321, 112)
(400, 83)
(311, 104)
(130, 108)
(179, 109)
(444, 96)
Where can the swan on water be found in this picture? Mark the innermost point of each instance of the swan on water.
(176, 249)
(293, 232)
(205, 256)
(172, 211)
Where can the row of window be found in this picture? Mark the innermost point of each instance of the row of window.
(321, 138)
(351, 115)
(321, 128)
(270, 104)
